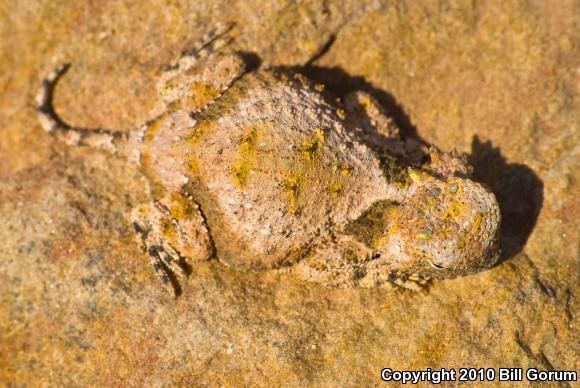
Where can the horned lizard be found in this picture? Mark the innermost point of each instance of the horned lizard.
(263, 171)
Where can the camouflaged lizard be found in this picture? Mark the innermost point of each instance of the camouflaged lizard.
(263, 171)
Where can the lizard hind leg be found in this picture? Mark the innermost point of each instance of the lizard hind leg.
(172, 231)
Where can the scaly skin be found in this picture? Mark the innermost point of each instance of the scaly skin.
(264, 172)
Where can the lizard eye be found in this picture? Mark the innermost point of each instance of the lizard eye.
(435, 265)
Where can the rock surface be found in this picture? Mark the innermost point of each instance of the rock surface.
(78, 302)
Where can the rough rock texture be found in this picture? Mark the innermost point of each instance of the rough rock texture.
(78, 302)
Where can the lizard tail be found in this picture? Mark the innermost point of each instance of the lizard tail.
(111, 141)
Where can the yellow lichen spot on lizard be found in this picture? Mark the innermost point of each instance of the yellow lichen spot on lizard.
(345, 170)
(193, 165)
(181, 207)
(313, 145)
(249, 150)
(201, 95)
(477, 221)
(390, 214)
(455, 210)
(242, 169)
(366, 103)
(152, 129)
(336, 189)
(291, 186)
(418, 175)
(462, 243)
(168, 228)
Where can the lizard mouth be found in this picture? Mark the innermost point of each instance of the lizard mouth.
(435, 265)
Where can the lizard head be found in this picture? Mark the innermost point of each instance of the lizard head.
(444, 228)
